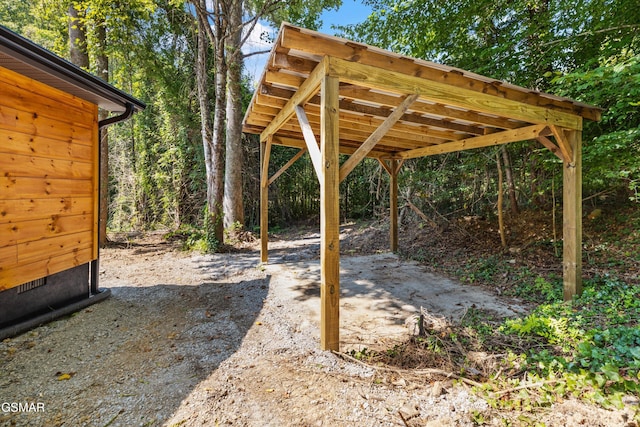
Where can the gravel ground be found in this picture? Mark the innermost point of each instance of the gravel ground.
(194, 340)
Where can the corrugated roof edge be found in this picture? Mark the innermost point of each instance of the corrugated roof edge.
(35, 55)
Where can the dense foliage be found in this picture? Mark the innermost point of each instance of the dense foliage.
(587, 50)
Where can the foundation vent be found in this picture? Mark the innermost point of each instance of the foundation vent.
(25, 287)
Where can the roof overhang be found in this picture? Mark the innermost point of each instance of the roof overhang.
(29, 59)
(449, 109)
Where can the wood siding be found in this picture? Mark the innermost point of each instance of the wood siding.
(48, 180)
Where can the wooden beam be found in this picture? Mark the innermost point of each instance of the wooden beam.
(376, 136)
(356, 73)
(563, 143)
(572, 217)
(393, 205)
(317, 44)
(288, 165)
(265, 152)
(330, 217)
(310, 140)
(264, 162)
(295, 142)
(306, 91)
(277, 95)
(551, 146)
(504, 137)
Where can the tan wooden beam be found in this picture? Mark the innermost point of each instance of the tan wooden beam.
(299, 143)
(504, 137)
(572, 217)
(563, 142)
(551, 146)
(376, 136)
(287, 165)
(277, 96)
(353, 72)
(265, 152)
(393, 205)
(320, 45)
(310, 140)
(306, 91)
(330, 217)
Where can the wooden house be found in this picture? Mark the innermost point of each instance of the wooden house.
(49, 181)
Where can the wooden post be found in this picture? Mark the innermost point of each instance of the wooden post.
(265, 152)
(329, 216)
(393, 205)
(572, 216)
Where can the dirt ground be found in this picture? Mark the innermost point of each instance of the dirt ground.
(205, 340)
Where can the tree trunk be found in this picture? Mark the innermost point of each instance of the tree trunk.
(77, 38)
(503, 239)
(233, 205)
(102, 70)
(511, 186)
(212, 134)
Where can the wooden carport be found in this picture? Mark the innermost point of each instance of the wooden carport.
(330, 96)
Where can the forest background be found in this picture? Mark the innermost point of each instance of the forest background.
(184, 164)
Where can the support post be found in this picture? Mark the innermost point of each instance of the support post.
(393, 205)
(265, 153)
(329, 216)
(572, 216)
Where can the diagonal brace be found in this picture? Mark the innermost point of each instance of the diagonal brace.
(376, 136)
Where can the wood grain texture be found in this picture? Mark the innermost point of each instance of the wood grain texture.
(330, 218)
(48, 180)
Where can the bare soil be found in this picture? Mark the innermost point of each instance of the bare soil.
(198, 340)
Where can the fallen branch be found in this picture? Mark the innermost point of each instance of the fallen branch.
(428, 371)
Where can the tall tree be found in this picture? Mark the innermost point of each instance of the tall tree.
(228, 25)
(77, 38)
(212, 131)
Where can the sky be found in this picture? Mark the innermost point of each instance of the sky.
(351, 12)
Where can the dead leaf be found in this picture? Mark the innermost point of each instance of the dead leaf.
(65, 377)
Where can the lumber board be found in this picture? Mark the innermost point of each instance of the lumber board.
(12, 120)
(562, 141)
(272, 96)
(9, 255)
(43, 248)
(320, 45)
(330, 217)
(572, 218)
(12, 276)
(551, 146)
(24, 187)
(13, 233)
(306, 91)
(298, 142)
(33, 208)
(376, 136)
(357, 73)
(287, 165)
(37, 88)
(310, 140)
(265, 149)
(17, 165)
(39, 146)
(44, 100)
(504, 137)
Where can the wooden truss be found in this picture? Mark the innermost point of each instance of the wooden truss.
(330, 96)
